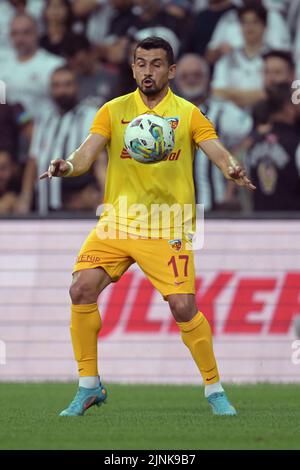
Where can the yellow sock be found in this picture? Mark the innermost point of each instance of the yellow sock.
(196, 335)
(85, 326)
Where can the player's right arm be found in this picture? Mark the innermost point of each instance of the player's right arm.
(80, 161)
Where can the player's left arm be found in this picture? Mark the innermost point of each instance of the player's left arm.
(226, 162)
(205, 137)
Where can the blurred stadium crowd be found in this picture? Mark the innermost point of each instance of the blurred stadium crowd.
(237, 60)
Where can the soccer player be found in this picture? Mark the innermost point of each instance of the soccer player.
(168, 263)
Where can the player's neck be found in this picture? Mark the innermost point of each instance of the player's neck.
(152, 101)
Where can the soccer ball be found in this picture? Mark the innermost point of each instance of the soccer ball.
(149, 138)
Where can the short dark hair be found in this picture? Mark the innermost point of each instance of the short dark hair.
(155, 42)
(283, 55)
(64, 68)
(70, 17)
(254, 7)
(78, 43)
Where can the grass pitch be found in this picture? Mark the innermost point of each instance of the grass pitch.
(149, 417)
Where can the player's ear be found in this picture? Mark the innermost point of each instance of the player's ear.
(133, 72)
(172, 71)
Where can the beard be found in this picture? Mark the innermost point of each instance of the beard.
(150, 90)
(66, 102)
(192, 93)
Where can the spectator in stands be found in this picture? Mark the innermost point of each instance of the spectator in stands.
(8, 192)
(192, 79)
(84, 8)
(146, 14)
(281, 6)
(15, 123)
(238, 76)
(229, 32)
(9, 9)
(58, 34)
(178, 8)
(181, 10)
(293, 21)
(192, 83)
(97, 83)
(274, 156)
(200, 5)
(27, 74)
(204, 25)
(61, 128)
(151, 13)
(92, 16)
(107, 25)
(278, 68)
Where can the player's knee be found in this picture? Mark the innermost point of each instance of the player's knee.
(182, 307)
(82, 292)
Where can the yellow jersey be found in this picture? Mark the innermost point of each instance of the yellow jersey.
(137, 194)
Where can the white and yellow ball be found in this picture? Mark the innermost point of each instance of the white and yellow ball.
(149, 138)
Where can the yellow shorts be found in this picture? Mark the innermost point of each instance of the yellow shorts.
(168, 264)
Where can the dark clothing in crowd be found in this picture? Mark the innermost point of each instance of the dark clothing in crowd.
(60, 48)
(12, 117)
(203, 28)
(274, 162)
(161, 19)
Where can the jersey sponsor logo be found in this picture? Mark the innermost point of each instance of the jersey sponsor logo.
(175, 244)
(173, 155)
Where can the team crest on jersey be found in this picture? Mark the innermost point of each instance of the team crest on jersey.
(176, 244)
(174, 121)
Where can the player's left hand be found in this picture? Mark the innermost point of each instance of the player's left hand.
(58, 167)
(239, 176)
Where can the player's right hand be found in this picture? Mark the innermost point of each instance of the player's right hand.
(58, 167)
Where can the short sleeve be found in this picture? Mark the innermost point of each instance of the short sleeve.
(101, 124)
(201, 128)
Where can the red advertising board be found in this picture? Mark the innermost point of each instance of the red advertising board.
(248, 286)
